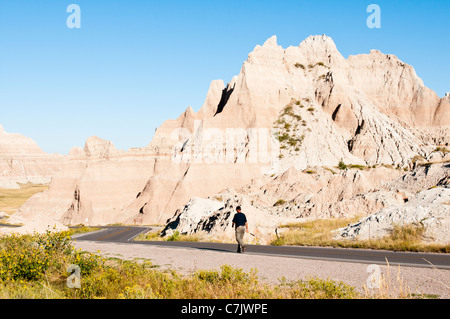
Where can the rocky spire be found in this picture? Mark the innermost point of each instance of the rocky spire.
(97, 147)
(321, 48)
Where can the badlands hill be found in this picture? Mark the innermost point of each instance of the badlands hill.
(275, 131)
(23, 161)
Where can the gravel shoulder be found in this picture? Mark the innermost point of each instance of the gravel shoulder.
(272, 268)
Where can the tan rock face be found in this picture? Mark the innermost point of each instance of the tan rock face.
(213, 217)
(394, 87)
(385, 196)
(442, 115)
(93, 186)
(371, 98)
(23, 161)
(428, 208)
(362, 110)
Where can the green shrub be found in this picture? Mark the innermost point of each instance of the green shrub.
(227, 274)
(283, 137)
(279, 202)
(33, 257)
(29, 257)
(342, 165)
(174, 237)
(87, 262)
(293, 141)
(316, 288)
(287, 110)
(279, 241)
(360, 167)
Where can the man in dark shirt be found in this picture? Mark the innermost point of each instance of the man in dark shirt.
(240, 223)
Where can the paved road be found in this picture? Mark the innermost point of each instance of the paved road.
(124, 234)
(113, 234)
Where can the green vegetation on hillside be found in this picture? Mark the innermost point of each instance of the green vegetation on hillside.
(291, 126)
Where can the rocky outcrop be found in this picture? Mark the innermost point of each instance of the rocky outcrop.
(93, 187)
(40, 223)
(192, 217)
(339, 115)
(385, 196)
(288, 111)
(420, 197)
(22, 161)
(174, 184)
(425, 176)
(356, 116)
(429, 209)
(213, 217)
(395, 88)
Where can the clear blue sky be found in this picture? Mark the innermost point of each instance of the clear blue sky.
(134, 64)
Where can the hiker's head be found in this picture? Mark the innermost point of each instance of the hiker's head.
(238, 209)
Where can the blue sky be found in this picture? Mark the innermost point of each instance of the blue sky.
(134, 64)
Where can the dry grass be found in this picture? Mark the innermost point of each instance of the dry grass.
(387, 287)
(320, 233)
(311, 233)
(176, 236)
(12, 199)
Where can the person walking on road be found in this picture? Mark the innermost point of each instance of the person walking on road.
(241, 225)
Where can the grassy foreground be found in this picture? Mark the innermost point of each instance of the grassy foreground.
(35, 266)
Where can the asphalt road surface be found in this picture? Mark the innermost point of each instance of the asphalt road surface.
(125, 234)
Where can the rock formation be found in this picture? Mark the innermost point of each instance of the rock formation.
(22, 161)
(212, 217)
(369, 110)
(40, 223)
(419, 196)
(275, 131)
(429, 209)
(94, 185)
